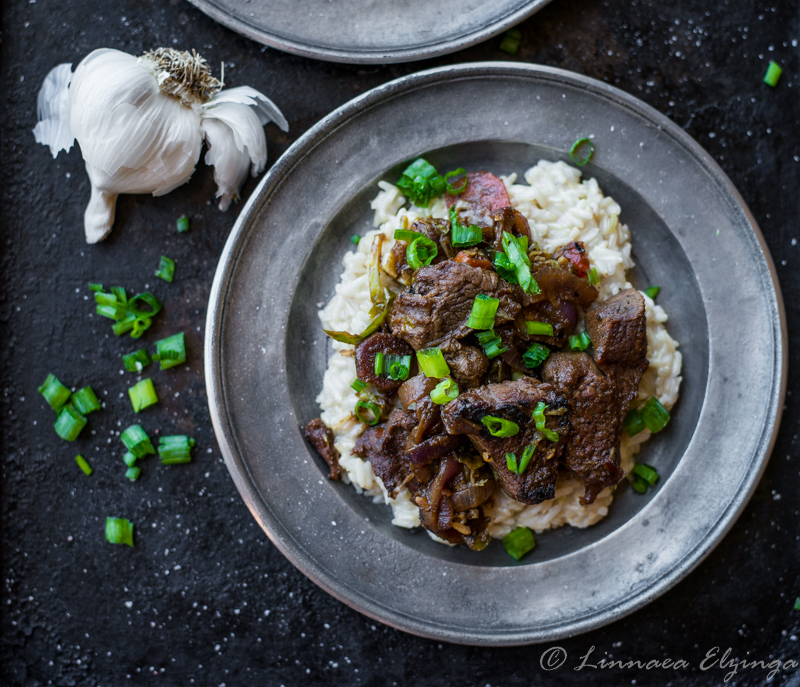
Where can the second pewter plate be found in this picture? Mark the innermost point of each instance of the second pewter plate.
(691, 234)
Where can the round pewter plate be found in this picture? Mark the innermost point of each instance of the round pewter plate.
(369, 31)
(691, 234)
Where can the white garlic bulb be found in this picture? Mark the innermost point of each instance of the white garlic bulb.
(141, 122)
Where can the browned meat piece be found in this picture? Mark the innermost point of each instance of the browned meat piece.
(513, 401)
(384, 446)
(320, 437)
(618, 331)
(433, 311)
(365, 359)
(484, 195)
(468, 365)
(506, 220)
(437, 230)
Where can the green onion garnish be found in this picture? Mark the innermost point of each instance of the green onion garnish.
(500, 427)
(639, 485)
(143, 395)
(647, 473)
(464, 236)
(456, 190)
(484, 308)
(406, 235)
(129, 459)
(136, 361)
(119, 531)
(85, 401)
(445, 391)
(579, 342)
(54, 392)
(539, 419)
(379, 363)
(133, 472)
(166, 269)
(535, 355)
(355, 238)
(774, 72)
(511, 463)
(69, 423)
(515, 267)
(124, 325)
(144, 305)
(420, 183)
(432, 363)
(358, 386)
(121, 295)
(593, 276)
(578, 157)
(518, 542)
(140, 325)
(652, 292)
(654, 415)
(175, 449)
(633, 423)
(137, 441)
(400, 369)
(382, 310)
(491, 343)
(95, 287)
(797, 604)
(83, 465)
(510, 42)
(171, 351)
(527, 454)
(421, 251)
(183, 224)
(368, 412)
(539, 328)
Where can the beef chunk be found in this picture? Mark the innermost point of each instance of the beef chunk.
(320, 437)
(384, 446)
(513, 401)
(365, 359)
(468, 365)
(618, 331)
(506, 220)
(437, 230)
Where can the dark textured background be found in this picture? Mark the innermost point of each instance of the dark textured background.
(204, 598)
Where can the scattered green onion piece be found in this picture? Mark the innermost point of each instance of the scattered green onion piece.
(593, 276)
(83, 465)
(579, 342)
(136, 361)
(511, 463)
(456, 190)
(166, 269)
(535, 355)
(137, 441)
(500, 427)
(654, 415)
(376, 292)
(175, 449)
(124, 325)
(119, 531)
(183, 224)
(137, 303)
(129, 459)
(133, 472)
(652, 292)
(633, 423)
(355, 238)
(54, 392)
(444, 392)
(358, 386)
(491, 343)
(121, 294)
(639, 485)
(504, 267)
(171, 351)
(647, 473)
(797, 604)
(539, 328)
(516, 252)
(140, 326)
(397, 366)
(511, 41)
(462, 236)
(377, 321)
(85, 401)
(109, 311)
(539, 419)
(432, 363)
(575, 151)
(527, 454)
(69, 423)
(406, 235)
(484, 308)
(143, 395)
(368, 412)
(95, 287)
(774, 72)
(421, 251)
(379, 357)
(420, 182)
(519, 542)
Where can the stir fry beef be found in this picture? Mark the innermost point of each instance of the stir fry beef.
(484, 195)
(365, 359)
(321, 438)
(506, 220)
(468, 365)
(618, 331)
(437, 230)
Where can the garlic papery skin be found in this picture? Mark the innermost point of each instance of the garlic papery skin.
(140, 124)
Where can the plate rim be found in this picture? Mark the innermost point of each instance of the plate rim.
(271, 183)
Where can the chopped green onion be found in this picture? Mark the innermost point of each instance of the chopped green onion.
(136, 361)
(462, 236)
(484, 308)
(575, 152)
(527, 454)
(83, 465)
(85, 401)
(171, 351)
(69, 423)
(652, 292)
(358, 386)
(647, 473)
(119, 531)
(175, 449)
(95, 287)
(375, 322)
(183, 224)
(432, 363)
(504, 267)
(539, 328)
(639, 485)
(500, 427)
(579, 342)
(124, 325)
(421, 251)
(593, 276)
(535, 355)
(153, 305)
(420, 182)
(511, 463)
(368, 412)
(355, 238)
(797, 604)
(137, 441)
(120, 293)
(54, 392)
(379, 363)
(444, 392)
(166, 269)
(539, 419)
(518, 261)
(406, 235)
(129, 459)
(774, 72)
(140, 325)
(519, 542)
(456, 190)
(491, 343)
(143, 395)
(394, 366)
(133, 472)
(654, 415)
(633, 423)
(510, 42)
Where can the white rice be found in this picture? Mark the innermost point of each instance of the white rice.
(560, 208)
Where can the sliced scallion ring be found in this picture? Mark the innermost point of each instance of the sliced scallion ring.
(539, 419)
(175, 449)
(368, 412)
(444, 392)
(54, 392)
(432, 363)
(119, 531)
(484, 309)
(500, 427)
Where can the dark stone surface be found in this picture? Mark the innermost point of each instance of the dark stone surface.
(204, 598)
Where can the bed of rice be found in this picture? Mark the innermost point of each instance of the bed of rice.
(560, 208)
